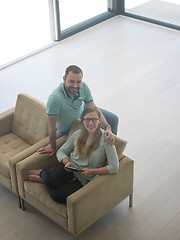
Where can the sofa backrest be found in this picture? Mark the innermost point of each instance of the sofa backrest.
(29, 119)
(120, 145)
(74, 127)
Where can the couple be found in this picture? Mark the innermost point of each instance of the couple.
(67, 102)
(84, 150)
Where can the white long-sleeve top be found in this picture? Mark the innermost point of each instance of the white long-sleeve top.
(96, 160)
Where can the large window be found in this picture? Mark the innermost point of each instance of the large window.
(28, 26)
(72, 16)
(24, 26)
(73, 12)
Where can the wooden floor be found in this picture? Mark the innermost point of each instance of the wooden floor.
(132, 69)
(167, 11)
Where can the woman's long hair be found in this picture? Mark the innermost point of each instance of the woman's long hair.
(84, 134)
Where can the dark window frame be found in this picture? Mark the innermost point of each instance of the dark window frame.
(114, 8)
(58, 35)
(145, 19)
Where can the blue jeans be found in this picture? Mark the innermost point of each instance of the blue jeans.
(60, 183)
(112, 120)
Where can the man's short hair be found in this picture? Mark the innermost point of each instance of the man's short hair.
(74, 69)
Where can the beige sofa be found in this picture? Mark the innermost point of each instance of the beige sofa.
(86, 205)
(23, 130)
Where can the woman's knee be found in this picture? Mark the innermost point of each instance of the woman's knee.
(57, 197)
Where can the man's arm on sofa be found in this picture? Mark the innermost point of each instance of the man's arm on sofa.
(100, 195)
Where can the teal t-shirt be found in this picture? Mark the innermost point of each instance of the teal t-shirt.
(65, 107)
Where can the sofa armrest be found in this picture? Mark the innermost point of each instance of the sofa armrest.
(6, 121)
(28, 152)
(35, 161)
(100, 195)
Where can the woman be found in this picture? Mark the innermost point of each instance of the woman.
(84, 150)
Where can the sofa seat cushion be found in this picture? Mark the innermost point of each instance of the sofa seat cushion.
(40, 193)
(10, 145)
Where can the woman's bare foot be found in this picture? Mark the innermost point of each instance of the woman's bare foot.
(33, 172)
(35, 178)
(25, 177)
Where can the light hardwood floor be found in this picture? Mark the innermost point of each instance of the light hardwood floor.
(132, 69)
(166, 10)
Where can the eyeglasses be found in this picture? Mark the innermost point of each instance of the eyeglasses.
(94, 120)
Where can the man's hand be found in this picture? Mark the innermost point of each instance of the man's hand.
(109, 137)
(47, 149)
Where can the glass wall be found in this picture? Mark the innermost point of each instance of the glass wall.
(72, 16)
(73, 12)
(167, 11)
(29, 25)
(24, 28)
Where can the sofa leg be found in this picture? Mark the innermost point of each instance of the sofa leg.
(131, 200)
(76, 237)
(21, 203)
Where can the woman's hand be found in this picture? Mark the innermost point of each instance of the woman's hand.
(86, 172)
(94, 171)
(68, 164)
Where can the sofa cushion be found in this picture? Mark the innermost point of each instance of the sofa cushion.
(29, 120)
(39, 192)
(10, 145)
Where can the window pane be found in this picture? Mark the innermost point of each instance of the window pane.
(73, 12)
(24, 28)
(166, 10)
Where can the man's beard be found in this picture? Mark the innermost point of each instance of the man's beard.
(71, 90)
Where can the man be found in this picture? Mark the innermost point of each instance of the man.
(67, 102)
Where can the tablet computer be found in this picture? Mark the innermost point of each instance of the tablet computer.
(74, 169)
